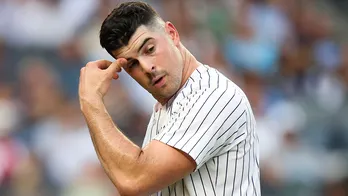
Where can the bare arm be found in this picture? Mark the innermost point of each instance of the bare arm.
(134, 171)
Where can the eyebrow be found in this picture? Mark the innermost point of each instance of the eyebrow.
(142, 45)
(144, 42)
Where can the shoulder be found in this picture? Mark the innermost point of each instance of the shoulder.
(208, 86)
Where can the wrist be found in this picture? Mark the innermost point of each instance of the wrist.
(91, 102)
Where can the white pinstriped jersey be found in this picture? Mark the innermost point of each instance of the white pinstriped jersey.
(210, 119)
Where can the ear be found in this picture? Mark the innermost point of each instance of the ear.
(172, 32)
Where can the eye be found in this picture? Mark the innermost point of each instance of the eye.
(132, 64)
(150, 50)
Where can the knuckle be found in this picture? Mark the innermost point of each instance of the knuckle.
(90, 64)
(82, 70)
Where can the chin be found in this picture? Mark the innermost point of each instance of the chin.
(163, 95)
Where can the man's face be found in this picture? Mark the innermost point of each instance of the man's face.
(154, 61)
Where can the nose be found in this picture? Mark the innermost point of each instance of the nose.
(147, 65)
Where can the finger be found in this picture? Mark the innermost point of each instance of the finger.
(102, 64)
(82, 73)
(116, 66)
(122, 62)
(117, 69)
(115, 76)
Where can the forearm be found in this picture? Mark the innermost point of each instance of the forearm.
(118, 155)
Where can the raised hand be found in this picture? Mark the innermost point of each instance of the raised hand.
(96, 77)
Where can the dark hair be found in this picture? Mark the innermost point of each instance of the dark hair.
(122, 22)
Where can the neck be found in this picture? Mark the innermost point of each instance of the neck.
(190, 65)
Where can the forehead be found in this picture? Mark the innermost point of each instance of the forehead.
(135, 41)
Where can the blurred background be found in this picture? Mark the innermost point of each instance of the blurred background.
(289, 56)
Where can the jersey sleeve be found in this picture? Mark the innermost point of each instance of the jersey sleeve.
(205, 121)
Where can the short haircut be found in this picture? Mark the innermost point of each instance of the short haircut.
(122, 22)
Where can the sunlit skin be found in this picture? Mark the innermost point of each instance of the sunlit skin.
(157, 60)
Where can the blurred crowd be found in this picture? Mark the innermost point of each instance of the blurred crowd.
(289, 56)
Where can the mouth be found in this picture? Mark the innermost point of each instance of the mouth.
(158, 81)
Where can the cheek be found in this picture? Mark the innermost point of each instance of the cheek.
(137, 75)
(167, 54)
